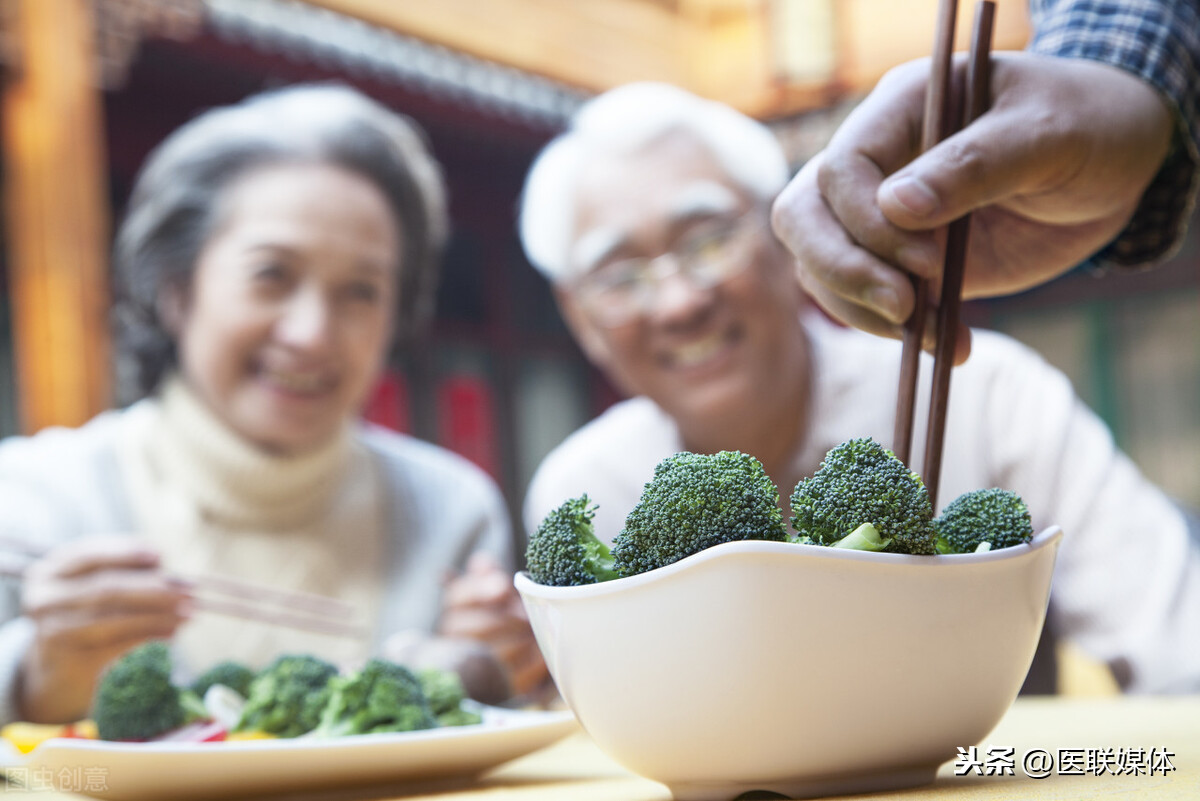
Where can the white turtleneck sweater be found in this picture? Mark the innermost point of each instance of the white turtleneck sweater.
(211, 503)
(374, 518)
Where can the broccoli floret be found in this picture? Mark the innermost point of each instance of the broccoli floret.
(135, 699)
(982, 520)
(860, 482)
(696, 501)
(564, 551)
(444, 691)
(864, 538)
(381, 697)
(286, 699)
(193, 705)
(459, 717)
(233, 675)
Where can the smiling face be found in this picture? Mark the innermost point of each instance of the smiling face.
(288, 317)
(707, 356)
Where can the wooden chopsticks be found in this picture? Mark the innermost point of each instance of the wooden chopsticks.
(937, 99)
(228, 596)
(943, 112)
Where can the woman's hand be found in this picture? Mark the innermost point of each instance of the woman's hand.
(90, 602)
(481, 604)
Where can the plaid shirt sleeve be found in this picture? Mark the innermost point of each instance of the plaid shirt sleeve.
(1158, 41)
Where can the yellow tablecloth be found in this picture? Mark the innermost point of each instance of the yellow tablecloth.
(575, 770)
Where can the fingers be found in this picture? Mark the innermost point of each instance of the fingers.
(482, 583)
(962, 341)
(516, 650)
(849, 187)
(118, 632)
(101, 594)
(484, 563)
(514, 647)
(991, 161)
(848, 253)
(97, 553)
(105, 592)
(851, 283)
(483, 623)
(528, 672)
(481, 605)
(101, 575)
(962, 345)
(869, 211)
(886, 126)
(1048, 148)
(1004, 152)
(879, 138)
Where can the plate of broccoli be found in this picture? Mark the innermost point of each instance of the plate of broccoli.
(297, 724)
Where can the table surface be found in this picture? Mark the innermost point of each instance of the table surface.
(1088, 729)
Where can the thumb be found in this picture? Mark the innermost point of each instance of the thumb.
(483, 563)
(987, 162)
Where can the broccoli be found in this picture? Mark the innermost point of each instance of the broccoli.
(381, 697)
(860, 482)
(459, 717)
(444, 691)
(564, 551)
(982, 520)
(864, 538)
(135, 699)
(696, 501)
(233, 675)
(287, 697)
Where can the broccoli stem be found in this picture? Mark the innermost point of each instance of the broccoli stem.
(864, 538)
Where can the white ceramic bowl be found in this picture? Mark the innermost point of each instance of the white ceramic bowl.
(797, 669)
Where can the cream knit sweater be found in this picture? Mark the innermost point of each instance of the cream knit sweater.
(212, 504)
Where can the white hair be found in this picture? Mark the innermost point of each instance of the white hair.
(626, 120)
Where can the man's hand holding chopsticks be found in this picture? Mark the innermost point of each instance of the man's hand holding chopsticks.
(1052, 172)
(90, 601)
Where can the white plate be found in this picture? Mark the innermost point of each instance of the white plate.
(178, 771)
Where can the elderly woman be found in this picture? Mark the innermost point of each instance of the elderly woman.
(270, 250)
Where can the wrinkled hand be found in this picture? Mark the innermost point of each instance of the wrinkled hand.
(481, 604)
(1053, 172)
(90, 602)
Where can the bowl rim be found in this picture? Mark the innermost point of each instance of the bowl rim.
(1045, 538)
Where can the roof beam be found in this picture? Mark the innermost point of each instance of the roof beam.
(723, 49)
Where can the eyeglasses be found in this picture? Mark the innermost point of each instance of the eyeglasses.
(618, 291)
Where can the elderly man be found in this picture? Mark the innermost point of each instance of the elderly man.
(650, 218)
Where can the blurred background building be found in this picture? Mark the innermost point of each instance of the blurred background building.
(90, 86)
